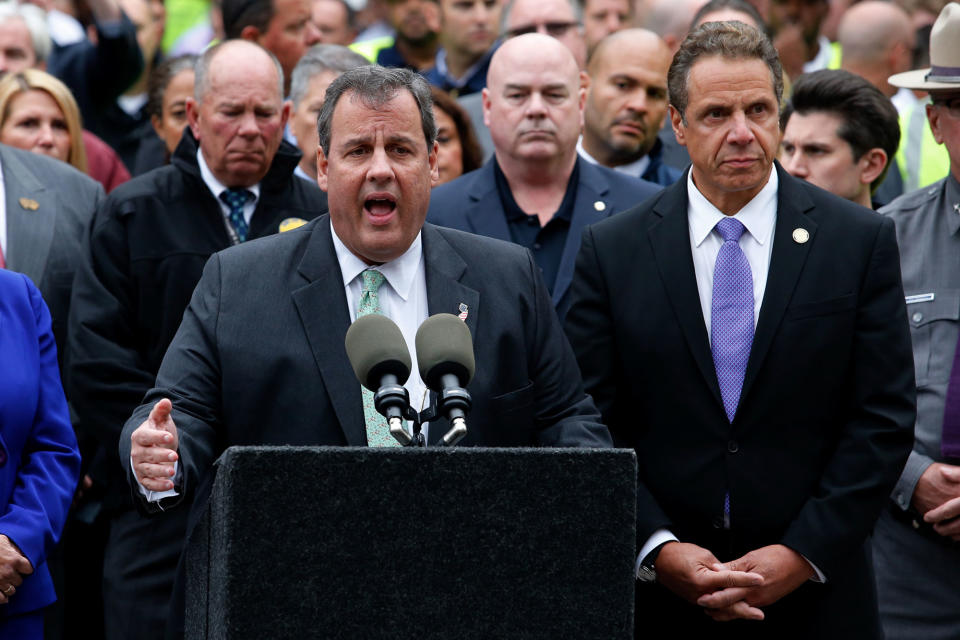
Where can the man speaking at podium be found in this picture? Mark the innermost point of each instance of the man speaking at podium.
(259, 357)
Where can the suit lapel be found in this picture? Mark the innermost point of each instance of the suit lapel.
(323, 310)
(592, 188)
(670, 240)
(484, 213)
(444, 269)
(31, 218)
(786, 264)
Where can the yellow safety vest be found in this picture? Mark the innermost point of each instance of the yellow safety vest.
(922, 161)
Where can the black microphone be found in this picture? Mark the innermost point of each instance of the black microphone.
(446, 363)
(381, 361)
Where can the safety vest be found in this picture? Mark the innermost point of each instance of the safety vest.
(370, 49)
(922, 161)
(836, 56)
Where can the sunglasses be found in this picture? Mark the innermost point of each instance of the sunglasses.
(555, 29)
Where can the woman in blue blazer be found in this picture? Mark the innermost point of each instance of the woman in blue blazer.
(39, 460)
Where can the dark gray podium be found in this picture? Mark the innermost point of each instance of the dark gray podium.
(415, 543)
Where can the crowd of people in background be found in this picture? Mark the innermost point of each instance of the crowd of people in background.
(176, 129)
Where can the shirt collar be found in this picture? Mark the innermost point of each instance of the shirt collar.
(512, 210)
(400, 273)
(635, 168)
(758, 215)
(216, 187)
(459, 83)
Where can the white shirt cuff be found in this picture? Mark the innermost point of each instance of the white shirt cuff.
(156, 496)
(819, 577)
(656, 539)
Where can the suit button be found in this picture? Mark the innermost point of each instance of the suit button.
(717, 522)
(917, 317)
(732, 446)
(916, 525)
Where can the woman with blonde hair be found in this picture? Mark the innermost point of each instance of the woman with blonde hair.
(39, 114)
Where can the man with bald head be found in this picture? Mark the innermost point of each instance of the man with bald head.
(230, 180)
(535, 191)
(627, 104)
(877, 42)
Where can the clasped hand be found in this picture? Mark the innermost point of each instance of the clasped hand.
(735, 589)
(13, 566)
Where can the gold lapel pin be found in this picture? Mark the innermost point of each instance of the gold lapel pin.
(800, 235)
(600, 205)
(289, 224)
(29, 204)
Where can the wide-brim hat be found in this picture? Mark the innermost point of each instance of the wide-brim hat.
(944, 72)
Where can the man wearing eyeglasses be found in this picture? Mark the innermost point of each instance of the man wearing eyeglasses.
(557, 18)
(468, 38)
(916, 543)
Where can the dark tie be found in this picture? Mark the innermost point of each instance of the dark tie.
(950, 438)
(731, 322)
(235, 199)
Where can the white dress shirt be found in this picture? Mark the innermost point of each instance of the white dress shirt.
(759, 218)
(403, 299)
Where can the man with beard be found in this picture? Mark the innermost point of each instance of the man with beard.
(414, 47)
(627, 104)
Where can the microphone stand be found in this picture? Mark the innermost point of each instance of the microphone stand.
(454, 400)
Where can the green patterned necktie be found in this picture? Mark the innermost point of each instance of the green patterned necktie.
(378, 433)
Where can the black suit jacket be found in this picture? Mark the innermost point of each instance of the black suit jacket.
(472, 203)
(260, 359)
(825, 418)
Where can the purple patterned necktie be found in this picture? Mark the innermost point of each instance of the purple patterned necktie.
(731, 322)
(950, 436)
(731, 319)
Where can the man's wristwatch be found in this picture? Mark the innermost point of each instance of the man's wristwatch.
(647, 571)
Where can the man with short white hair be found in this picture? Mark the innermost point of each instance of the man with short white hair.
(230, 180)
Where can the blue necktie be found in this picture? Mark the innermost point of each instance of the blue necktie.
(731, 322)
(731, 315)
(236, 199)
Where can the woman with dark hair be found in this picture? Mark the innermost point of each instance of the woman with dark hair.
(168, 88)
(459, 150)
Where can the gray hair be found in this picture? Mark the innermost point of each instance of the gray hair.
(318, 59)
(575, 6)
(375, 86)
(201, 80)
(36, 21)
(732, 40)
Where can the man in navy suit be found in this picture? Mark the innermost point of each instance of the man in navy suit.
(536, 191)
(746, 333)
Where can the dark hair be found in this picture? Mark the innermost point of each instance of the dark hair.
(868, 118)
(733, 40)
(375, 86)
(160, 79)
(741, 6)
(238, 14)
(472, 152)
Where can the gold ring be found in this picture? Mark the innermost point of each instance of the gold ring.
(10, 590)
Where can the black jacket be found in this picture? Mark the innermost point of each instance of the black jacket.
(143, 256)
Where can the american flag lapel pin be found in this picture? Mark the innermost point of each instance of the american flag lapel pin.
(463, 312)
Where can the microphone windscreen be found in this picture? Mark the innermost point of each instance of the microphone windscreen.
(444, 345)
(375, 347)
